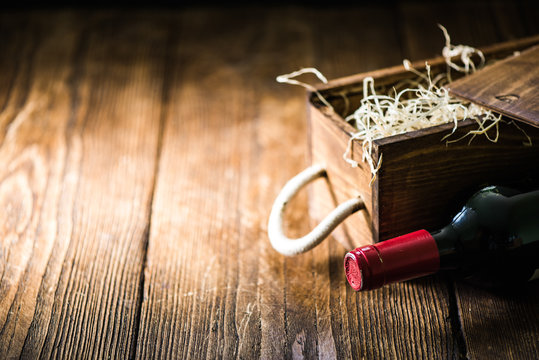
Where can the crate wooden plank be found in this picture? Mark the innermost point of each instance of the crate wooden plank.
(421, 173)
(329, 140)
(80, 127)
(508, 87)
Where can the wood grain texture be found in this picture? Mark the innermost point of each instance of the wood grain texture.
(329, 140)
(508, 87)
(419, 163)
(140, 153)
(80, 131)
(500, 324)
(32, 153)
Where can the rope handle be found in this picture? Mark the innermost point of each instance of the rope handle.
(289, 247)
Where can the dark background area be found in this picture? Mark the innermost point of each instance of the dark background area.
(172, 4)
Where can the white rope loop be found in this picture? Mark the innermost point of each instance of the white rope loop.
(289, 247)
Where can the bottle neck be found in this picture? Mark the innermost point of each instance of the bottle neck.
(398, 259)
(446, 240)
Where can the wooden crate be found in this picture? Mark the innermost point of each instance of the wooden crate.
(422, 181)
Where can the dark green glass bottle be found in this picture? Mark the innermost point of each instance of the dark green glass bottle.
(493, 240)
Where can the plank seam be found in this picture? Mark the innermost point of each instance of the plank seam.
(165, 94)
(455, 319)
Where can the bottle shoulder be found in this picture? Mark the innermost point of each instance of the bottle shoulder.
(505, 213)
(495, 235)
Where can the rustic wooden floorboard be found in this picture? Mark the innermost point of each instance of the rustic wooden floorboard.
(32, 167)
(79, 144)
(140, 153)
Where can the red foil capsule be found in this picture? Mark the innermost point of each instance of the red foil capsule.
(402, 258)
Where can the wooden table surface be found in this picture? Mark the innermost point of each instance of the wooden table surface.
(140, 153)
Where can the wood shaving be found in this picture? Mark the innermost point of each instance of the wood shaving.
(421, 103)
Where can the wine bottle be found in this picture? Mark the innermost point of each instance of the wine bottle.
(493, 240)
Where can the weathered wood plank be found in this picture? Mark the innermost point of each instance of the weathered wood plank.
(32, 155)
(500, 324)
(78, 163)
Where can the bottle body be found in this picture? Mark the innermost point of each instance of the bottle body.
(493, 240)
